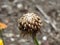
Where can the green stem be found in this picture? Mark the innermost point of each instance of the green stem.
(1, 36)
(35, 40)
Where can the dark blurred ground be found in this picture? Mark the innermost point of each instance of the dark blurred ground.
(11, 10)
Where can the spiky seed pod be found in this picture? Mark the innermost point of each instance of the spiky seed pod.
(29, 23)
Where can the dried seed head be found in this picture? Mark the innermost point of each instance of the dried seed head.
(29, 23)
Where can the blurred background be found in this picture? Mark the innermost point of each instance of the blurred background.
(48, 10)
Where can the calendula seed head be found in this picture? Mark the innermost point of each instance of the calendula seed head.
(29, 23)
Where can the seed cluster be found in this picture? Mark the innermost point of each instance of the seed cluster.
(29, 23)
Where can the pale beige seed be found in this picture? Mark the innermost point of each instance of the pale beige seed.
(33, 22)
(36, 23)
(35, 18)
(32, 26)
(39, 21)
(29, 25)
(38, 17)
(35, 27)
(24, 25)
